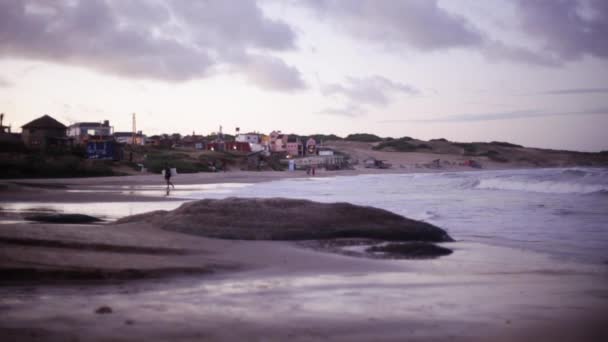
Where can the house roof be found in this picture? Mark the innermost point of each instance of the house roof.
(91, 124)
(44, 121)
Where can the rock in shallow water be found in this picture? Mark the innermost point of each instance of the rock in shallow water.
(288, 219)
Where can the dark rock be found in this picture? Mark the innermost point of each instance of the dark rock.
(411, 250)
(63, 218)
(288, 219)
(103, 310)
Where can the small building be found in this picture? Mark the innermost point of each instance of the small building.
(333, 162)
(233, 146)
(161, 141)
(44, 133)
(278, 141)
(130, 138)
(252, 138)
(197, 142)
(81, 131)
(311, 147)
(295, 148)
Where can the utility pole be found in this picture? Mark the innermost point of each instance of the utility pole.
(134, 131)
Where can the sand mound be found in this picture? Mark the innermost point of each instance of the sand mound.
(288, 219)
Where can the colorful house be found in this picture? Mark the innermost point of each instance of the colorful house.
(311, 146)
(278, 141)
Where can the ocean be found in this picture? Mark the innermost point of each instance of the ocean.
(562, 212)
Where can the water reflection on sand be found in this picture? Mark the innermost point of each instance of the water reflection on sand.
(181, 191)
(106, 210)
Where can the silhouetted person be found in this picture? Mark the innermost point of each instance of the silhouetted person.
(168, 178)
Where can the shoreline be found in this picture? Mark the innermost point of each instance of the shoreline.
(126, 188)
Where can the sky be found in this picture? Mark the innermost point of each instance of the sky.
(531, 72)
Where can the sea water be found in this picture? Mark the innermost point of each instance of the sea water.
(563, 212)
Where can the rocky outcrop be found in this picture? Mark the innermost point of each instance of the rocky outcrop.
(288, 219)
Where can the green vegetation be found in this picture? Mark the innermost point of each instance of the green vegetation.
(363, 137)
(401, 145)
(325, 137)
(186, 161)
(505, 144)
(36, 165)
(469, 148)
(494, 156)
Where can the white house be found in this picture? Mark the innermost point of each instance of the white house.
(252, 138)
(127, 138)
(80, 131)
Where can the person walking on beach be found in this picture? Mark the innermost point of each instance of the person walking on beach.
(168, 177)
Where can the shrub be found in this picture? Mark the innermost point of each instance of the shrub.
(467, 147)
(363, 137)
(41, 166)
(505, 144)
(399, 145)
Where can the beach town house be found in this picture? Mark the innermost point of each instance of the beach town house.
(278, 141)
(295, 148)
(45, 133)
(82, 132)
(130, 138)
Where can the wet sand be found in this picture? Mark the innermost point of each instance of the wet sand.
(276, 291)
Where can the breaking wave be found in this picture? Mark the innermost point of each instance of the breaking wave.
(544, 186)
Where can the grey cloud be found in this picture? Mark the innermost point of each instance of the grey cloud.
(350, 110)
(575, 91)
(365, 91)
(497, 51)
(568, 29)
(273, 74)
(521, 114)
(156, 39)
(420, 24)
(4, 83)
(373, 90)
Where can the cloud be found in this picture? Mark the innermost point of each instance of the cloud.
(273, 74)
(373, 90)
(573, 91)
(4, 83)
(361, 92)
(420, 24)
(521, 114)
(350, 110)
(173, 40)
(497, 51)
(568, 29)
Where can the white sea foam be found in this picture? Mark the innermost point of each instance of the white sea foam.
(555, 187)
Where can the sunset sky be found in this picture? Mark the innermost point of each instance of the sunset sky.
(532, 72)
